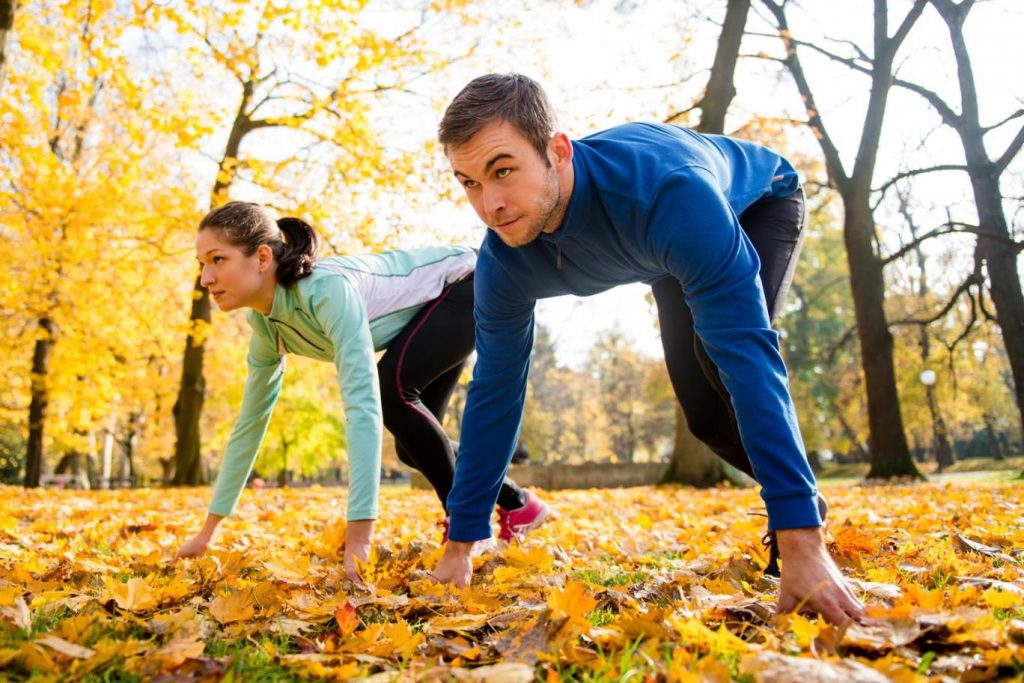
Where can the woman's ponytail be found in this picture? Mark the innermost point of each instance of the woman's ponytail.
(249, 226)
(298, 255)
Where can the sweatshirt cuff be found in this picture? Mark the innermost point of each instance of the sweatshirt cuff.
(793, 512)
(221, 511)
(465, 528)
(357, 515)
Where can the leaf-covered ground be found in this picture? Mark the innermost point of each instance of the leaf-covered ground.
(634, 584)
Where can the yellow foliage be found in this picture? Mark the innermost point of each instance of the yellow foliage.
(543, 605)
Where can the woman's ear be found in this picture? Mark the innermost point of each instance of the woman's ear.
(264, 257)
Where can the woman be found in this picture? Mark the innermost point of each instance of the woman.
(417, 304)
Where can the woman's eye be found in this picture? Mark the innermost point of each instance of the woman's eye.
(502, 172)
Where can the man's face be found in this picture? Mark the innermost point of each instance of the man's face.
(513, 189)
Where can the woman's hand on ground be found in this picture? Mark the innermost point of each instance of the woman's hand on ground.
(358, 539)
(194, 547)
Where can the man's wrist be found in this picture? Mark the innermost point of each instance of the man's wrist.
(458, 548)
(799, 541)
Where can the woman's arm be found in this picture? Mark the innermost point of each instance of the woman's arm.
(342, 314)
(262, 387)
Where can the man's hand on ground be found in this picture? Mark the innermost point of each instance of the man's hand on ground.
(455, 566)
(811, 580)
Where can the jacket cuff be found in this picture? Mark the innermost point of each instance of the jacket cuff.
(793, 512)
(466, 529)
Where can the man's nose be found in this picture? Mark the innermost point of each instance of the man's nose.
(494, 201)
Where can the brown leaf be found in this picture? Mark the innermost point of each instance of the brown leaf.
(523, 643)
(965, 544)
(462, 623)
(65, 648)
(771, 667)
(507, 672)
(883, 636)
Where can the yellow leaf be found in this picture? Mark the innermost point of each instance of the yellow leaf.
(1002, 599)
(803, 629)
(573, 601)
(295, 571)
(403, 641)
(232, 607)
(134, 596)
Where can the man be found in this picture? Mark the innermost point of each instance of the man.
(714, 224)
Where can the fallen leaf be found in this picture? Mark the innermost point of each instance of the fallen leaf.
(508, 672)
(135, 596)
(772, 667)
(232, 607)
(65, 648)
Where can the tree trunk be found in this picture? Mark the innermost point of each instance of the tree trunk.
(37, 405)
(993, 439)
(188, 470)
(7, 8)
(720, 89)
(692, 461)
(995, 246)
(887, 443)
(1000, 259)
(188, 407)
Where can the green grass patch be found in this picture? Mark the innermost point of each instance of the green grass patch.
(600, 578)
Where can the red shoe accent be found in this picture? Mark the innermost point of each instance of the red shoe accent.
(518, 523)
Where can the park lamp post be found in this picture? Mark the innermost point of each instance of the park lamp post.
(943, 452)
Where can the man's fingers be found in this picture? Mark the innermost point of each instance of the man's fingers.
(787, 603)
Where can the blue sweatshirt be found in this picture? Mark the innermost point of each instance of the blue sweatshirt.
(649, 200)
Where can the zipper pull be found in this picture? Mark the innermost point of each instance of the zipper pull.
(558, 257)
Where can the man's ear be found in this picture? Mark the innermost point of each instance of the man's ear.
(560, 151)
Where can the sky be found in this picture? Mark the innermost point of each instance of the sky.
(604, 62)
(601, 67)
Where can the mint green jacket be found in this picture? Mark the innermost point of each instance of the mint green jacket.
(348, 308)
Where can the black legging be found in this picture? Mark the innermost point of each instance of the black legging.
(418, 374)
(775, 228)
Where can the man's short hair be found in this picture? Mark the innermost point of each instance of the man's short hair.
(514, 98)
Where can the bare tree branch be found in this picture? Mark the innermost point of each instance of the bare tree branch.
(918, 171)
(1011, 151)
(964, 287)
(1015, 115)
(815, 122)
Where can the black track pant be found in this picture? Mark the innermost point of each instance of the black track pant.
(775, 228)
(418, 374)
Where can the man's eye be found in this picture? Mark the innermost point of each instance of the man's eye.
(469, 184)
(502, 172)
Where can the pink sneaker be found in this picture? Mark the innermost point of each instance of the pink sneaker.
(518, 523)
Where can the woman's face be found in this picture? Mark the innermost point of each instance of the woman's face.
(234, 279)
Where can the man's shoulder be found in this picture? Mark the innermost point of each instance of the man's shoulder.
(635, 159)
(643, 135)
